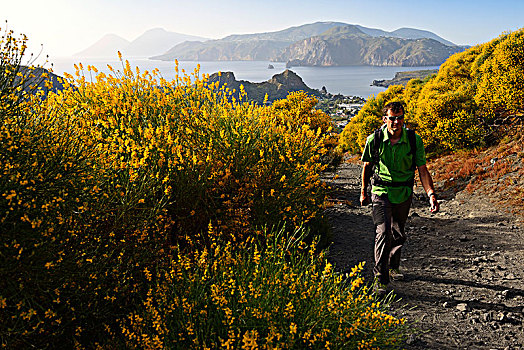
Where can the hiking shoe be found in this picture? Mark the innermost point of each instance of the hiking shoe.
(396, 275)
(379, 288)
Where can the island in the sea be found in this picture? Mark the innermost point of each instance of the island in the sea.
(323, 44)
(402, 78)
(278, 87)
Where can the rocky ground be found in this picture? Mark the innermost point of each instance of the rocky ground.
(464, 266)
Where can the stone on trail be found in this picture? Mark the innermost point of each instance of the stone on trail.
(488, 316)
(463, 307)
(505, 294)
(510, 276)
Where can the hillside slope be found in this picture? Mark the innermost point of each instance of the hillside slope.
(345, 46)
(323, 44)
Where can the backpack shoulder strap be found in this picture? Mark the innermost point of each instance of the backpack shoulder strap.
(413, 147)
(376, 146)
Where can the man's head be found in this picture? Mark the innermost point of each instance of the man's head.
(395, 107)
(393, 117)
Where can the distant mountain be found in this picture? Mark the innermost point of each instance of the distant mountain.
(405, 33)
(371, 31)
(323, 44)
(410, 33)
(291, 34)
(349, 45)
(156, 41)
(108, 46)
(278, 87)
(222, 50)
(245, 47)
(152, 42)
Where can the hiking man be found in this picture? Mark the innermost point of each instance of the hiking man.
(390, 163)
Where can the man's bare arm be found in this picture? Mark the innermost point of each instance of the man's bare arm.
(367, 170)
(427, 183)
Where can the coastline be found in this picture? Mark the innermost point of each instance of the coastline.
(348, 81)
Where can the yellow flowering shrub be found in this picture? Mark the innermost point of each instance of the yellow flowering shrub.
(14, 80)
(99, 179)
(107, 190)
(457, 108)
(200, 155)
(410, 98)
(501, 78)
(277, 294)
(450, 91)
(460, 131)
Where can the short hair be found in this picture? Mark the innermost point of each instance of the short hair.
(395, 107)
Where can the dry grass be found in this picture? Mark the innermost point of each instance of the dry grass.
(497, 171)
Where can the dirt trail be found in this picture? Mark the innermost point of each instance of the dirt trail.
(464, 266)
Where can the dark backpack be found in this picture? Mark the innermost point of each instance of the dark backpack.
(376, 159)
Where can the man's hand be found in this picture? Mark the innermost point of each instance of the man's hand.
(364, 199)
(427, 183)
(435, 206)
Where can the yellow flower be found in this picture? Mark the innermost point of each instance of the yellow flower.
(293, 328)
(250, 340)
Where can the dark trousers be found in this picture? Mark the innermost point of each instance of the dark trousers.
(390, 220)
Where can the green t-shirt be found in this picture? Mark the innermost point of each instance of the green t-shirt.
(395, 164)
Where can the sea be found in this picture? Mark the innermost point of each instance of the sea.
(348, 81)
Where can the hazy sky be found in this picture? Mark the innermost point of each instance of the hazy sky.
(65, 27)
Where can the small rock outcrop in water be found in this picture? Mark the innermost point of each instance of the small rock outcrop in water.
(278, 87)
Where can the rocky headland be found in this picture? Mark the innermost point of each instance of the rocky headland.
(278, 87)
(37, 78)
(402, 78)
